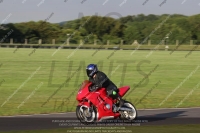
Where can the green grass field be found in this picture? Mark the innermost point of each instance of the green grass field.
(21, 74)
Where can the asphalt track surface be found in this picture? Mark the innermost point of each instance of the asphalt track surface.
(67, 120)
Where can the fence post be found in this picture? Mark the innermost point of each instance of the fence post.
(26, 41)
(122, 42)
(95, 42)
(68, 41)
(135, 42)
(177, 42)
(53, 41)
(191, 42)
(108, 42)
(149, 42)
(81, 42)
(11, 40)
(163, 42)
(40, 41)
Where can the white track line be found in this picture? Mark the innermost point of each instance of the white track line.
(74, 112)
(38, 114)
(171, 108)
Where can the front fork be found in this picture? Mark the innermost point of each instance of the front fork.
(87, 104)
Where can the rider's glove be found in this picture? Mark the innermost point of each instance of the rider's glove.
(94, 87)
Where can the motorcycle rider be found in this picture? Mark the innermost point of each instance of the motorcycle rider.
(100, 80)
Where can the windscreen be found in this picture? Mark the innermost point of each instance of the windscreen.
(84, 84)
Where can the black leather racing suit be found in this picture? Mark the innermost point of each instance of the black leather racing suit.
(102, 81)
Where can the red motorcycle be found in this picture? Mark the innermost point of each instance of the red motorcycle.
(95, 106)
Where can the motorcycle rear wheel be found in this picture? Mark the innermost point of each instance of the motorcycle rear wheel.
(127, 115)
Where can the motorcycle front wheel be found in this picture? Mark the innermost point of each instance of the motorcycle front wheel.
(86, 115)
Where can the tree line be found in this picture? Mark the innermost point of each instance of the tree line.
(129, 28)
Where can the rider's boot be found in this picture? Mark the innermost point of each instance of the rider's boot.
(119, 101)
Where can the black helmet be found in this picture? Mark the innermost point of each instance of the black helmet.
(91, 70)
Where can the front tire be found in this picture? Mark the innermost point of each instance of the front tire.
(85, 116)
(128, 115)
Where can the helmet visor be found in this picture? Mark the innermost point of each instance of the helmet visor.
(89, 73)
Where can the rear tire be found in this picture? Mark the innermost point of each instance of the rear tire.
(127, 115)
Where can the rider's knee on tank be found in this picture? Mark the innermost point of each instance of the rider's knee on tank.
(113, 94)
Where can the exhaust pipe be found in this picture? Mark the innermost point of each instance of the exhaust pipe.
(125, 109)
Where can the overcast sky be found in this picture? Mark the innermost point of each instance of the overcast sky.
(63, 10)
